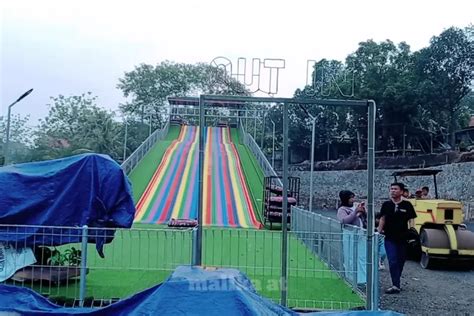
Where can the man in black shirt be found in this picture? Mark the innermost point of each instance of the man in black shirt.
(396, 216)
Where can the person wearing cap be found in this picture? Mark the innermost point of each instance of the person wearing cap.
(347, 215)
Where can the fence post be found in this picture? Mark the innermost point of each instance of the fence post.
(355, 254)
(376, 271)
(320, 242)
(82, 285)
(194, 259)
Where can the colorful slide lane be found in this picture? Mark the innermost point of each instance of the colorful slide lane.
(227, 200)
(173, 189)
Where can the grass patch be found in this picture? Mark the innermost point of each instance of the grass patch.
(139, 259)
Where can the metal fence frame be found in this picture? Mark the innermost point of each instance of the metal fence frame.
(257, 253)
(135, 243)
(132, 161)
(135, 251)
(315, 230)
(250, 142)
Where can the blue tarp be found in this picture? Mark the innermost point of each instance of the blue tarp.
(87, 189)
(188, 291)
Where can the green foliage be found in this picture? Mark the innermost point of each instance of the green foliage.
(76, 124)
(424, 93)
(20, 138)
(445, 72)
(71, 257)
(148, 87)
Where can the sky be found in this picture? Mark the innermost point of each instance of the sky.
(71, 47)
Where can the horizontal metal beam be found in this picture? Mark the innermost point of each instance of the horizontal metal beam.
(328, 102)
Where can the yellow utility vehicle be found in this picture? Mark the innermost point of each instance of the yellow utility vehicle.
(439, 224)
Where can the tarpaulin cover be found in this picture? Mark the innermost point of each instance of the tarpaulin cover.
(87, 189)
(188, 291)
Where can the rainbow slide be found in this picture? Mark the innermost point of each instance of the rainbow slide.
(173, 190)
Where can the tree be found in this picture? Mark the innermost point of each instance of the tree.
(149, 87)
(384, 72)
(445, 71)
(76, 124)
(20, 138)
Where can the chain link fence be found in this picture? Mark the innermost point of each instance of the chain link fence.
(77, 274)
(138, 258)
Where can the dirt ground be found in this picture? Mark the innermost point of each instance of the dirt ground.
(444, 291)
(430, 292)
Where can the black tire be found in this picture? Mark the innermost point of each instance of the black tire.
(426, 262)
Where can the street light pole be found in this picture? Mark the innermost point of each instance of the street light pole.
(313, 136)
(273, 145)
(263, 131)
(149, 125)
(7, 142)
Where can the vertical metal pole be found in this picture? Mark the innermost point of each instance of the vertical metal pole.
(194, 245)
(7, 143)
(327, 151)
(355, 256)
(284, 239)
(370, 205)
(263, 130)
(376, 271)
(273, 146)
(82, 286)
(313, 136)
(149, 127)
(404, 139)
(125, 141)
(431, 143)
(255, 126)
(246, 121)
(198, 245)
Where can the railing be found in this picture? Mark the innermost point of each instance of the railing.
(139, 258)
(257, 152)
(132, 161)
(311, 283)
(76, 275)
(328, 203)
(342, 248)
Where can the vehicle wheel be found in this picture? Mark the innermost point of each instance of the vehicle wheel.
(426, 262)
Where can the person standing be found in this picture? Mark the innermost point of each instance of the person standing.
(346, 213)
(396, 217)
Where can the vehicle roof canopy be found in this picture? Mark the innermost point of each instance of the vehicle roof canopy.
(416, 172)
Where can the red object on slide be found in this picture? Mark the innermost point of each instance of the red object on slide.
(182, 223)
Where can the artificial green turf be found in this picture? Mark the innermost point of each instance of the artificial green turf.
(138, 259)
(252, 172)
(143, 172)
(257, 253)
